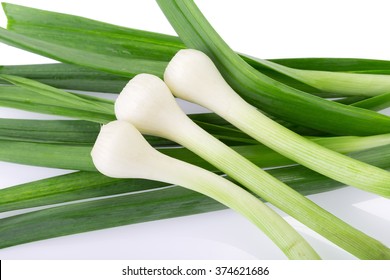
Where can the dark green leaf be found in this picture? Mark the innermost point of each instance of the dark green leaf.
(156, 204)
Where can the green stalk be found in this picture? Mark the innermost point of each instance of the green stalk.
(20, 98)
(89, 103)
(79, 78)
(283, 197)
(68, 76)
(147, 103)
(260, 90)
(103, 213)
(82, 185)
(192, 76)
(376, 103)
(120, 151)
(337, 82)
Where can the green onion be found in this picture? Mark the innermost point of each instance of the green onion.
(192, 76)
(147, 103)
(263, 92)
(127, 52)
(120, 151)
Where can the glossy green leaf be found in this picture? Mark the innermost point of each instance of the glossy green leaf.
(376, 103)
(20, 98)
(155, 204)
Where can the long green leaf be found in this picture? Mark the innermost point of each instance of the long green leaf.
(37, 97)
(67, 144)
(19, 98)
(75, 157)
(338, 121)
(69, 187)
(48, 155)
(87, 216)
(159, 203)
(263, 92)
(68, 76)
(117, 65)
(75, 77)
(49, 131)
(83, 185)
(120, 41)
(376, 103)
(62, 97)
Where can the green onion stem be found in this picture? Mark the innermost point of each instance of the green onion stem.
(192, 76)
(337, 82)
(120, 151)
(376, 103)
(147, 103)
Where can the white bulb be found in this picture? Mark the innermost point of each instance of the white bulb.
(149, 105)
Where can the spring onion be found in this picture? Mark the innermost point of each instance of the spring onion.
(148, 104)
(263, 92)
(192, 76)
(120, 151)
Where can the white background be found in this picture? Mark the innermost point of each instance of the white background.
(265, 29)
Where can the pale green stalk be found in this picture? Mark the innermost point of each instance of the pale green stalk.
(336, 82)
(348, 144)
(147, 103)
(120, 151)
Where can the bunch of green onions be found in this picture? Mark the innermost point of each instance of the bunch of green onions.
(263, 122)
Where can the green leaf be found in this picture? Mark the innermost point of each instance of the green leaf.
(353, 65)
(69, 187)
(56, 144)
(62, 97)
(376, 103)
(93, 215)
(155, 204)
(49, 131)
(48, 155)
(117, 65)
(20, 98)
(67, 76)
